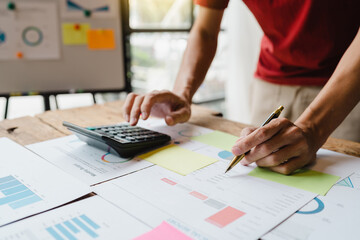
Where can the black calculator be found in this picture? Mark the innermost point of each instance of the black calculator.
(122, 139)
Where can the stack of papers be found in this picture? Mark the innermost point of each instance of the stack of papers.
(179, 191)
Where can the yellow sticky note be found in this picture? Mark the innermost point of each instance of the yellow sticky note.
(217, 139)
(101, 39)
(309, 180)
(74, 33)
(177, 159)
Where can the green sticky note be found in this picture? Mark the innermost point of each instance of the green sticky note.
(74, 33)
(177, 159)
(217, 139)
(309, 180)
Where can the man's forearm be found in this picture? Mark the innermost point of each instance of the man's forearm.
(196, 61)
(338, 97)
(199, 53)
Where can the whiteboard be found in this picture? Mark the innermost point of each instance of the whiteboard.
(77, 68)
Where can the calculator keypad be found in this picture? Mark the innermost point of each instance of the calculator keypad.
(128, 134)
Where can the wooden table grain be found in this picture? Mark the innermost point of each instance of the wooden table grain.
(48, 125)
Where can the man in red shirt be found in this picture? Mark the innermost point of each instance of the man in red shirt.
(306, 44)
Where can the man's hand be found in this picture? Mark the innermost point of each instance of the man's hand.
(164, 104)
(280, 146)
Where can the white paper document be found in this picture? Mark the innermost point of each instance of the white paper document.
(179, 131)
(92, 218)
(329, 162)
(334, 216)
(29, 184)
(335, 163)
(87, 163)
(205, 204)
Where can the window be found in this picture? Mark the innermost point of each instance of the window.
(157, 32)
(160, 14)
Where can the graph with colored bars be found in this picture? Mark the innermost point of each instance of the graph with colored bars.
(223, 217)
(69, 229)
(15, 194)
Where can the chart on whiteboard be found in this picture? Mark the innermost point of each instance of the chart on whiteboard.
(31, 33)
(89, 8)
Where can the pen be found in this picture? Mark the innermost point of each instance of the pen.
(237, 159)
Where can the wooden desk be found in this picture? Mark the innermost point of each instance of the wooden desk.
(48, 125)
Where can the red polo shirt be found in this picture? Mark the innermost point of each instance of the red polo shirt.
(303, 39)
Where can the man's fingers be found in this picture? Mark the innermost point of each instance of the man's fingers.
(287, 136)
(180, 116)
(290, 166)
(135, 111)
(128, 105)
(147, 104)
(155, 97)
(247, 131)
(279, 157)
(259, 136)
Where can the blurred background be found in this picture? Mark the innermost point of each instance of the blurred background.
(156, 33)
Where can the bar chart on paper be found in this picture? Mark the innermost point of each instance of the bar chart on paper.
(203, 204)
(23, 190)
(92, 218)
(80, 227)
(73, 227)
(15, 194)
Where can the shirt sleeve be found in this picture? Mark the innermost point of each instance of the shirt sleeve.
(215, 4)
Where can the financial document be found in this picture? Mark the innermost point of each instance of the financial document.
(92, 218)
(29, 184)
(87, 163)
(318, 178)
(334, 216)
(206, 204)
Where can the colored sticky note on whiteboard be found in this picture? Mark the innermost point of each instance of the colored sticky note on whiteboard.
(74, 33)
(164, 232)
(101, 39)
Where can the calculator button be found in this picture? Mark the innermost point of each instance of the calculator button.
(122, 140)
(101, 132)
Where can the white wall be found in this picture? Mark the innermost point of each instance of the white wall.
(244, 35)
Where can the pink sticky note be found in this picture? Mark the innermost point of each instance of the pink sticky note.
(163, 232)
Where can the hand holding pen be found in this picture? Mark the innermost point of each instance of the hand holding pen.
(279, 145)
